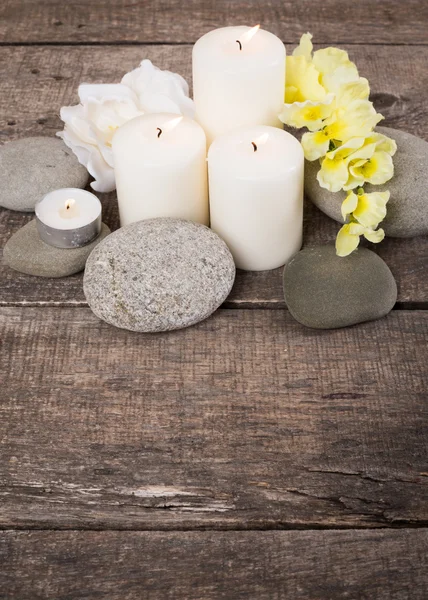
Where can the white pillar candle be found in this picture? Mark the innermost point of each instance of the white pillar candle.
(256, 195)
(68, 218)
(238, 79)
(160, 168)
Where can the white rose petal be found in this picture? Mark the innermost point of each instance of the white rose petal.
(90, 126)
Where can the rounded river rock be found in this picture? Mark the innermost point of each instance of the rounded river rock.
(32, 167)
(407, 209)
(326, 291)
(158, 275)
(27, 253)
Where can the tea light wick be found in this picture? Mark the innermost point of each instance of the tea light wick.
(159, 130)
(70, 209)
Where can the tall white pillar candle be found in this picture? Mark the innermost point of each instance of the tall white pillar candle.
(160, 169)
(256, 195)
(238, 79)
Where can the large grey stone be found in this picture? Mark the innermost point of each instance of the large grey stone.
(158, 275)
(407, 208)
(32, 167)
(27, 253)
(325, 291)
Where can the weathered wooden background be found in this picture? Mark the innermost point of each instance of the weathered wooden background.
(246, 457)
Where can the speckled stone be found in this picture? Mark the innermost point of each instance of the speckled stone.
(325, 291)
(27, 253)
(32, 167)
(407, 214)
(158, 275)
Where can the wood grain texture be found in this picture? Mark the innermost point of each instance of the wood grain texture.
(326, 565)
(37, 81)
(247, 420)
(163, 21)
(40, 80)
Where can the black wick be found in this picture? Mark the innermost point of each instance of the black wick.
(160, 131)
(240, 45)
(254, 146)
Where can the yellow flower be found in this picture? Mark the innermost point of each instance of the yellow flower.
(305, 47)
(327, 60)
(349, 91)
(368, 209)
(334, 173)
(307, 114)
(375, 167)
(302, 81)
(355, 120)
(343, 74)
(335, 68)
(376, 170)
(348, 237)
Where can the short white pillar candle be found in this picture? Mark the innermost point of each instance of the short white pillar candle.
(256, 195)
(68, 218)
(238, 79)
(160, 169)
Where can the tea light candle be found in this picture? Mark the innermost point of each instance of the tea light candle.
(160, 168)
(256, 195)
(68, 218)
(238, 79)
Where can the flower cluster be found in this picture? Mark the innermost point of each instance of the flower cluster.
(90, 125)
(325, 94)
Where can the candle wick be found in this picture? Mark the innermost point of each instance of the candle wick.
(160, 131)
(240, 45)
(254, 146)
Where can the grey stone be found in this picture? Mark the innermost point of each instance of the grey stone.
(27, 253)
(32, 167)
(325, 291)
(407, 208)
(158, 275)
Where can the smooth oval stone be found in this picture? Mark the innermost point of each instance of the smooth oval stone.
(32, 167)
(27, 253)
(158, 275)
(325, 291)
(407, 209)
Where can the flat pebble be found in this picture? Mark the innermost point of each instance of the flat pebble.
(158, 275)
(407, 208)
(27, 253)
(325, 291)
(32, 167)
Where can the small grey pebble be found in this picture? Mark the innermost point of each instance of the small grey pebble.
(326, 291)
(27, 253)
(158, 275)
(32, 167)
(407, 209)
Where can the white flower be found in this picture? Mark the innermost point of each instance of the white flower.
(90, 125)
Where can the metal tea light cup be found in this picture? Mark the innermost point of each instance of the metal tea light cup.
(60, 232)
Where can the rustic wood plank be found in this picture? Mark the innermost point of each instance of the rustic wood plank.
(249, 422)
(408, 260)
(40, 80)
(37, 81)
(366, 565)
(163, 21)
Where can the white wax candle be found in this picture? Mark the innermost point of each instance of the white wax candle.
(256, 195)
(238, 79)
(68, 208)
(160, 168)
